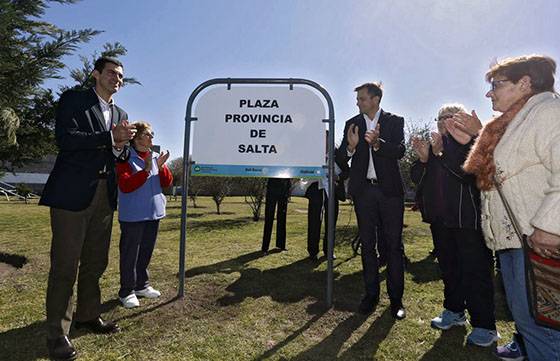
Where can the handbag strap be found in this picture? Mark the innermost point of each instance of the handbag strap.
(511, 216)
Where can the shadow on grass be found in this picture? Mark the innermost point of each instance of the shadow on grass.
(14, 260)
(179, 206)
(425, 270)
(346, 234)
(228, 266)
(25, 343)
(364, 348)
(452, 342)
(288, 283)
(290, 338)
(189, 216)
(29, 342)
(449, 343)
(146, 310)
(207, 226)
(292, 283)
(285, 284)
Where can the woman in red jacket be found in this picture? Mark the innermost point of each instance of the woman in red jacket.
(141, 206)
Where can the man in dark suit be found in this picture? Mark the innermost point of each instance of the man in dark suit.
(374, 140)
(91, 133)
(277, 193)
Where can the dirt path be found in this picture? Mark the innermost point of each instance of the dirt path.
(5, 269)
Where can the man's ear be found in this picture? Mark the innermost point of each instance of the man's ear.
(95, 74)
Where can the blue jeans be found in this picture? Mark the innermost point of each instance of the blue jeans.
(542, 344)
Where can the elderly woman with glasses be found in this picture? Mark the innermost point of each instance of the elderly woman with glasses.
(450, 203)
(520, 149)
(141, 206)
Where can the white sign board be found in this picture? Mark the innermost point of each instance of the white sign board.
(263, 131)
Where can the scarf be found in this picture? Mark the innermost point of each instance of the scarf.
(480, 160)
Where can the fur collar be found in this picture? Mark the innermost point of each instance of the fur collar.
(480, 161)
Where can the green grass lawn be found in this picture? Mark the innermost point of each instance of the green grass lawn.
(239, 305)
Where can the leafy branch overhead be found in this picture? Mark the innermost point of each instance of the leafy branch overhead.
(82, 76)
(32, 52)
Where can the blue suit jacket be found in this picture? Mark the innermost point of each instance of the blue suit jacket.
(85, 150)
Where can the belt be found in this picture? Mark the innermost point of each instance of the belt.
(372, 181)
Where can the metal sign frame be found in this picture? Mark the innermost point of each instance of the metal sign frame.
(330, 165)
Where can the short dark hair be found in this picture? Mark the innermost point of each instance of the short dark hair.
(100, 63)
(540, 68)
(375, 89)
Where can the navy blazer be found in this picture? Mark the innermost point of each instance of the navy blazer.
(85, 151)
(385, 159)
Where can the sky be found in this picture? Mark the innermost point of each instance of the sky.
(426, 52)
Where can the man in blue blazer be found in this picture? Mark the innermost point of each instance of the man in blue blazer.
(374, 140)
(91, 134)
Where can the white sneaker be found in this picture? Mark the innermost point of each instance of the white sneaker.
(130, 301)
(148, 292)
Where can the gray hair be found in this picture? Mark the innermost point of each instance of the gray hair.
(451, 108)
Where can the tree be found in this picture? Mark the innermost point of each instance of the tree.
(176, 168)
(254, 190)
(31, 52)
(196, 186)
(9, 123)
(216, 187)
(82, 76)
(421, 129)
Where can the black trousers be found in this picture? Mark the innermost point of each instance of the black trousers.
(466, 269)
(80, 248)
(270, 207)
(317, 202)
(136, 247)
(372, 208)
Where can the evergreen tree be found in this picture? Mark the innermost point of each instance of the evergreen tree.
(31, 52)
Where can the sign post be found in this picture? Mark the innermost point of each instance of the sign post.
(260, 128)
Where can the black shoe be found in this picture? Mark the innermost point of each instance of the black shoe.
(97, 325)
(368, 304)
(313, 257)
(398, 312)
(61, 349)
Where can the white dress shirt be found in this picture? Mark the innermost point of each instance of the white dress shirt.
(108, 116)
(370, 125)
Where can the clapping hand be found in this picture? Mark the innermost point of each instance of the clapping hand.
(163, 157)
(437, 143)
(421, 148)
(463, 127)
(123, 132)
(372, 136)
(468, 123)
(352, 137)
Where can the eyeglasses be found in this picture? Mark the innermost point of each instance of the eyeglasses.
(495, 84)
(149, 134)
